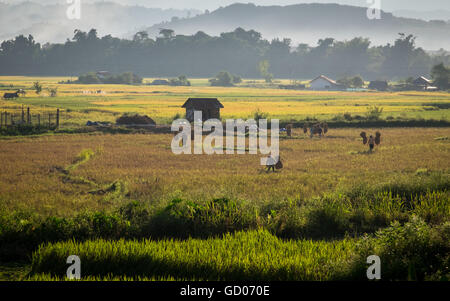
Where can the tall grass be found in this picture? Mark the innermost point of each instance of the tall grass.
(254, 255)
(413, 251)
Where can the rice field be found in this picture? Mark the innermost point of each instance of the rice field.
(249, 256)
(31, 176)
(79, 103)
(132, 210)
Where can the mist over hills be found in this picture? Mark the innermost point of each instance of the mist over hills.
(303, 23)
(48, 23)
(307, 23)
(428, 15)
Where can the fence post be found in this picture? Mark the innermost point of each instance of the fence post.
(49, 117)
(28, 115)
(23, 115)
(6, 119)
(12, 119)
(57, 118)
(39, 120)
(1, 123)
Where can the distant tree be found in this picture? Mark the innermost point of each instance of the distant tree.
(223, 78)
(126, 78)
(354, 82)
(239, 51)
(140, 36)
(441, 76)
(264, 71)
(53, 91)
(89, 78)
(37, 87)
(180, 81)
(345, 81)
(166, 33)
(237, 79)
(357, 81)
(409, 80)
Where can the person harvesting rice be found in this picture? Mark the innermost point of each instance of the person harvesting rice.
(273, 163)
(371, 142)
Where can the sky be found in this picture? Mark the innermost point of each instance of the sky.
(387, 5)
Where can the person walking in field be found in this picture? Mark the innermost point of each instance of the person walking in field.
(371, 143)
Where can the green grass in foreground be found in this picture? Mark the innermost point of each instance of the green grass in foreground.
(413, 251)
(253, 255)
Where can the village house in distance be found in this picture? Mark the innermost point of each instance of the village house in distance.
(324, 83)
(210, 108)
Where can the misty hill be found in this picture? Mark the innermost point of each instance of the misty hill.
(48, 23)
(424, 15)
(306, 23)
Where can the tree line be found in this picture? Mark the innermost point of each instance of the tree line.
(241, 52)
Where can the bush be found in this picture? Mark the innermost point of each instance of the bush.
(37, 87)
(25, 129)
(374, 113)
(348, 116)
(413, 251)
(225, 79)
(180, 81)
(186, 218)
(258, 114)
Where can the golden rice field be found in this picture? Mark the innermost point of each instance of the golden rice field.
(79, 103)
(31, 177)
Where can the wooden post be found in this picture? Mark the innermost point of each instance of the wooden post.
(12, 119)
(1, 123)
(6, 119)
(28, 115)
(57, 118)
(39, 120)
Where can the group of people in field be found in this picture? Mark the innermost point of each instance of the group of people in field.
(316, 129)
(274, 162)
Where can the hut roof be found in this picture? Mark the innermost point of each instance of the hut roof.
(202, 102)
(422, 80)
(325, 78)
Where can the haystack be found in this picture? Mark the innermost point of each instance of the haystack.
(136, 119)
(364, 137)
